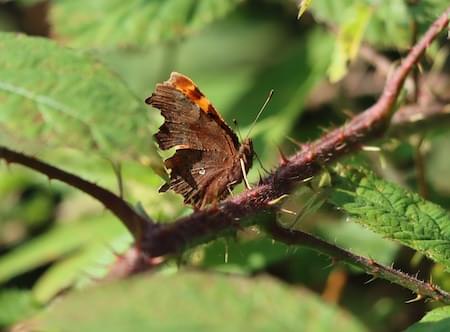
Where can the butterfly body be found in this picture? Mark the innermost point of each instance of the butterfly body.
(209, 160)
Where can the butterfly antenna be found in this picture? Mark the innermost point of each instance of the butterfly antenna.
(236, 127)
(269, 97)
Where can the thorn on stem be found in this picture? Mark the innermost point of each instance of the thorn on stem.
(369, 148)
(153, 261)
(373, 278)
(419, 297)
(288, 211)
(333, 262)
(282, 157)
(297, 143)
(277, 200)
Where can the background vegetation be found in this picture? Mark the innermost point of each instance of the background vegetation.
(71, 93)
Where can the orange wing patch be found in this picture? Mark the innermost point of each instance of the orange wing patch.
(189, 89)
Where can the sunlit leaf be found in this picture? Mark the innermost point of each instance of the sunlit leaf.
(391, 21)
(360, 241)
(59, 242)
(437, 320)
(395, 213)
(60, 97)
(348, 41)
(84, 266)
(16, 305)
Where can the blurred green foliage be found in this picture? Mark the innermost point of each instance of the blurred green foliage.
(16, 304)
(75, 99)
(202, 300)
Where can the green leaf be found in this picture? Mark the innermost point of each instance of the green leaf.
(299, 265)
(426, 11)
(394, 212)
(61, 97)
(137, 23)
(16, 305)
(348, 41)
(84, 266)
(359, 240)
(243, 256)
(193, 302)
(390, 25)
(437, 320)
(58, 242)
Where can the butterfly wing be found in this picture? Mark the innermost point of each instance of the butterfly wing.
(205, 146)
(198, 178)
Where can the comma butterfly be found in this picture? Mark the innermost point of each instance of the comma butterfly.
(209, 160)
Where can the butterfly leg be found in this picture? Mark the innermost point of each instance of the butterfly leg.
(230, 187)
(244, 174)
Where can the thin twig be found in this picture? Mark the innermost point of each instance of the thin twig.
(418, 118)
(296, 237)
(415, 71)
(135, 223)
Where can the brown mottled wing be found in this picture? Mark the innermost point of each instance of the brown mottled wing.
(198, 177)
(205, 145)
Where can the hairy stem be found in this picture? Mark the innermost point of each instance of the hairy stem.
(295, 237)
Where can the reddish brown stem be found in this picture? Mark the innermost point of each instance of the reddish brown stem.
(209, 224)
